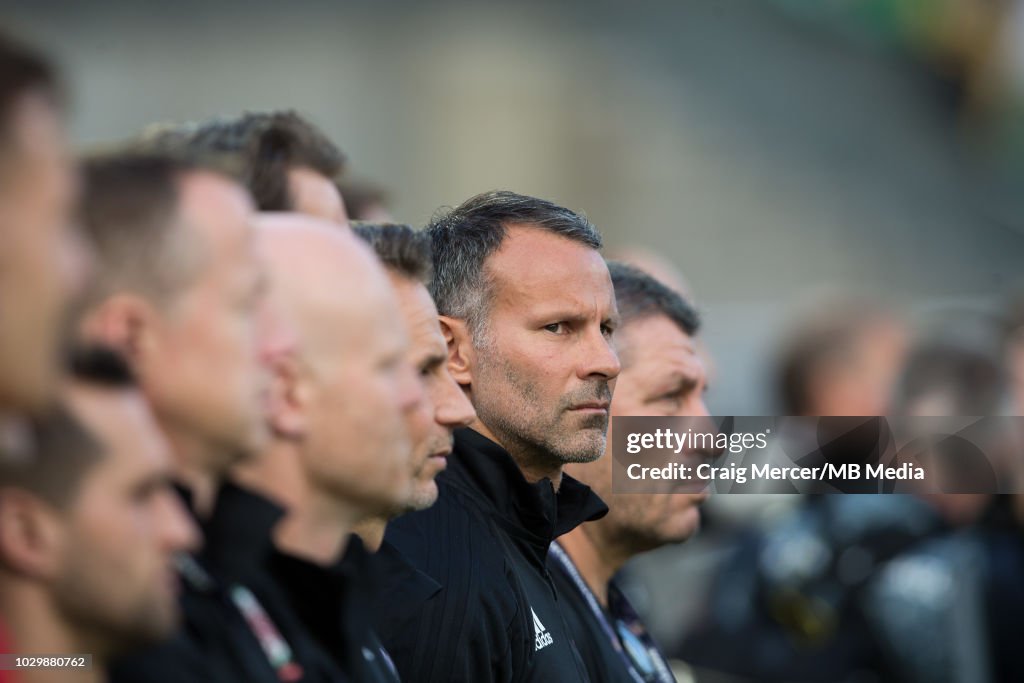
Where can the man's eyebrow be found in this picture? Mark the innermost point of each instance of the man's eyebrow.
(433, 359)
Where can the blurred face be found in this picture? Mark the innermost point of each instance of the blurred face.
(315, 195)
(541, 380)
(361, 387)
(445, 407)
(41, 259)
(662, 375)
(861, 382)
(204, 375)
(116, 581)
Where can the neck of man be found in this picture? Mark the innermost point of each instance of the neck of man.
(35, 628)
(534, 464)
(188, 453)
(316, 530)
(596, 560)
(371, 530)
(318, 522)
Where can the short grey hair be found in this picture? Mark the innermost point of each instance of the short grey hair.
(464, 237)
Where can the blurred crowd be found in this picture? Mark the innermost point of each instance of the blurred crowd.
(253, 430)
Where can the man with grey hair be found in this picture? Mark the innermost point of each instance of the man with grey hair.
(527, 312)
(662, 374)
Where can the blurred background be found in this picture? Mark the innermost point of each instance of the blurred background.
(811, 170)
(771, 149)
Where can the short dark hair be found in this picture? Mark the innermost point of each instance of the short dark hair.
(268, 144)
(639, 296)
(464, 237)
(63, 450)
(400, 248)
(130, 211)
(23, 70)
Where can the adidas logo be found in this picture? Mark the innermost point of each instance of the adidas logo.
(541, 636)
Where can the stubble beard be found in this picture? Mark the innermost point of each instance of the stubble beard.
(516, 416)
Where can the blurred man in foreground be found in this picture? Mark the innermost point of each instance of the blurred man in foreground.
(288, 164)
(340, 451)
(661, 375)
(178, 293)
(527, 311)
(41, 259)
(89, 525)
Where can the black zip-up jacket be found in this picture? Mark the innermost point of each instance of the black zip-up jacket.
(216, 643)
(334, 603)
(497, 616)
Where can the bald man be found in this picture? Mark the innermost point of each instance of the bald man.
(339, 450)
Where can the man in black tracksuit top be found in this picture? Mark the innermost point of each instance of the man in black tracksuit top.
(238, 624)
(497, 617)
(527, 309)
(662, 374)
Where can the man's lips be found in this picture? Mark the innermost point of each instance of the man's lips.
(591, 406)
(440, 457)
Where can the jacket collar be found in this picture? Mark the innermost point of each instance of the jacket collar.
(488, 473)
(237, 536)
(333, 600)
(405, 583)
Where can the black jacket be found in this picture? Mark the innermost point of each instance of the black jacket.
(497, 616)
(218, 642)
(613, 642)
(401, 591)
(334, 603)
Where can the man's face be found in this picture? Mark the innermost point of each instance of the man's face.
(662, 375)
(445, 406)
(41, 259)
(316, 195)
(205, 376)
(361, 386)
(541, 380)
(116, 581)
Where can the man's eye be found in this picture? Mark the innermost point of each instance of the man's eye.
(556, 328)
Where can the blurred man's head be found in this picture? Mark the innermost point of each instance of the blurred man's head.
(955, 368)
(405, 254)
(365, 201)
(347, 388)
(89, 524)
(178, 291)
(287, 163)
(528, 310)
(662, 375)
(41, 260)
(841, 359)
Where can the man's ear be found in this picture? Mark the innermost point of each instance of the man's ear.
(461, 354)
(288, 397)
(124, 322)
(30, 535)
